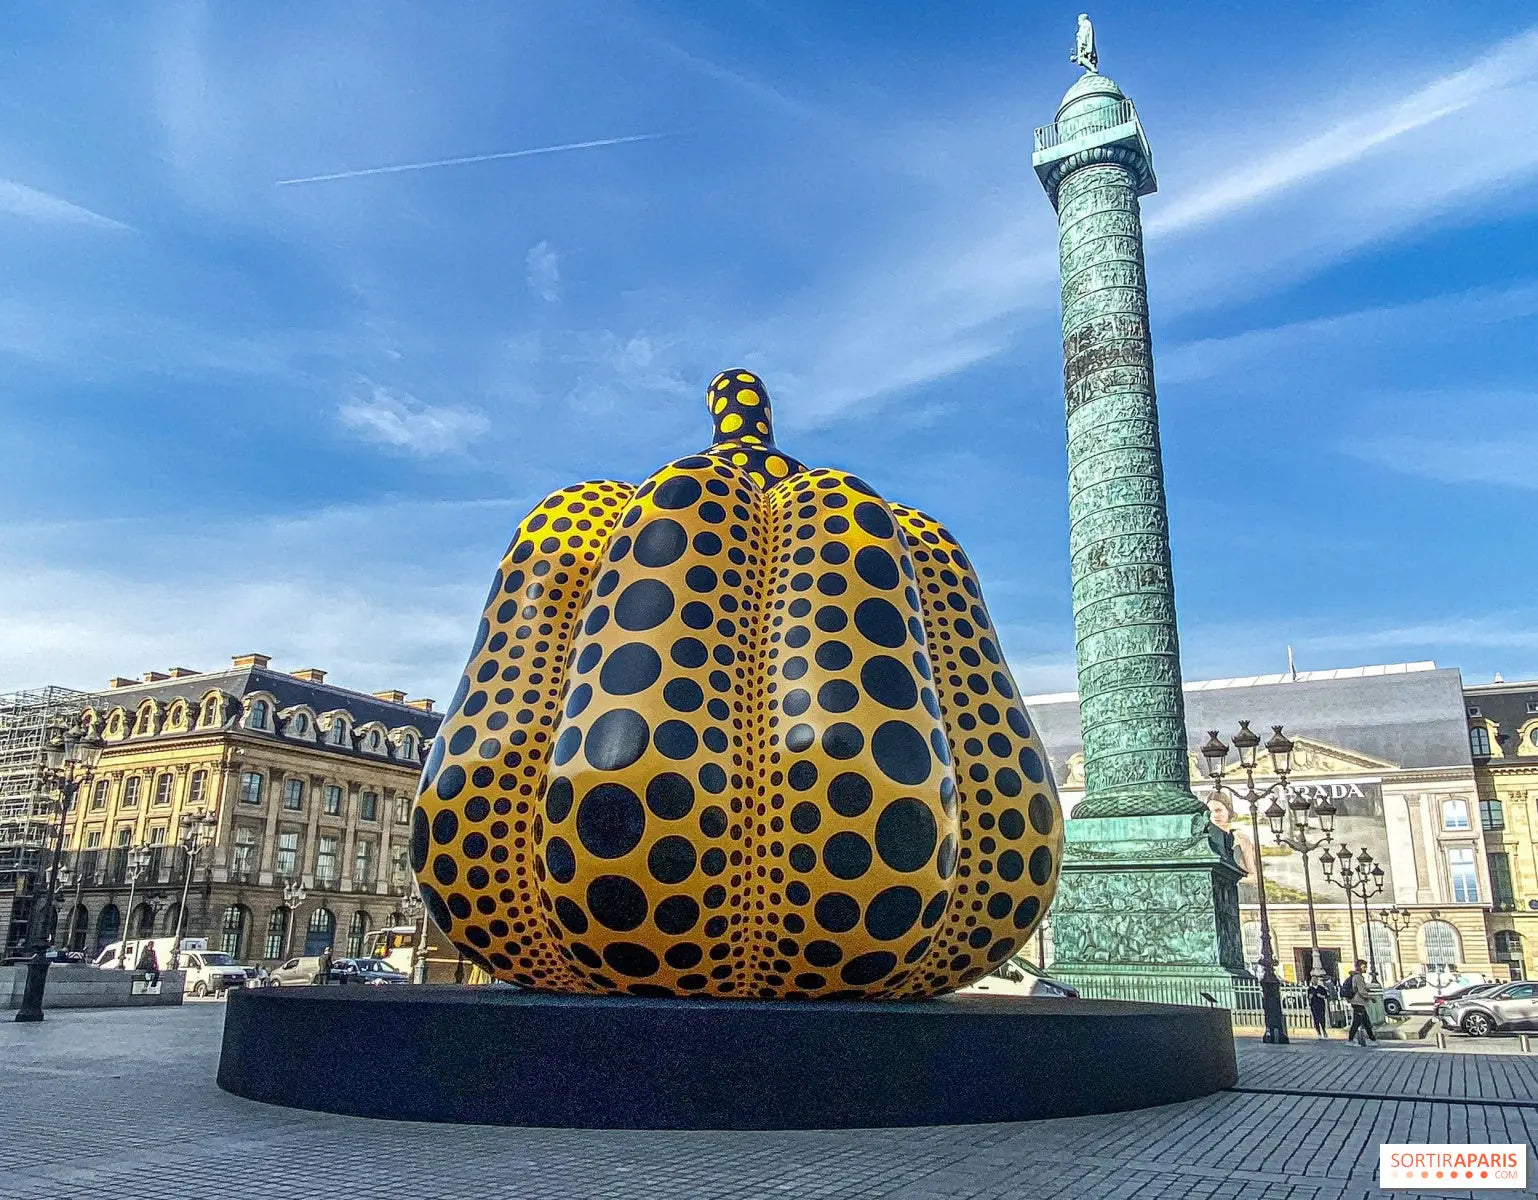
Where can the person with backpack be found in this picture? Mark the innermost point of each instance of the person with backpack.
(1358, 991)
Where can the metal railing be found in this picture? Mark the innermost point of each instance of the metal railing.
(1248, 1015)
(1108, 117)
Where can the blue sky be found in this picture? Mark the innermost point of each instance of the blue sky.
(303, 420)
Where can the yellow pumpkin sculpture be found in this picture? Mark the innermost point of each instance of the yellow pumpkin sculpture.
(742, 731)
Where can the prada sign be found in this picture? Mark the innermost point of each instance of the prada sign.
(1351, 797)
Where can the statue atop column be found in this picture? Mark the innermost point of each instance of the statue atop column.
(1084, 48)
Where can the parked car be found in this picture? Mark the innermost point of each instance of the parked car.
(296, 972)
(1510, 1006)
(1418, 993)
(211, 972)
(370, 971)
(1463, 993)
(1017, 977)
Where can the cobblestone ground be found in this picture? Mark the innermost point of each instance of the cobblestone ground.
(124, 1104)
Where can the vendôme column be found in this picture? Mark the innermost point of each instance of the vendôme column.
(1149, 906)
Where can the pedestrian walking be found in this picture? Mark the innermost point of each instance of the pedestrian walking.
(1318, 1001)
(1358, 991)
(149, 964)
(323, 966)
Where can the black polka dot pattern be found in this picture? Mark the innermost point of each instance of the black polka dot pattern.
(742, 731)
(484, 793)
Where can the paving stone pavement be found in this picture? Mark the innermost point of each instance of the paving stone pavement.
(123, 1103)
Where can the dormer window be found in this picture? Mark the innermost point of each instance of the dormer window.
(142, 723)
(375, 741)
(211, 711)
(409, 748)
(338, 732)
(301, 725)
(259, 711)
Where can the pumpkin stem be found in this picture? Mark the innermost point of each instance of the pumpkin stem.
(739, 405)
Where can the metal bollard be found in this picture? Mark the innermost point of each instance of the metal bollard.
(1527, 1043)
(1441, 1039)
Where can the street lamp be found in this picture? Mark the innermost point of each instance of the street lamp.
(1397, 920)
(1364, 880)
(1291, 828)
(70, 754)
(416, 912)
(197, 832)
(138, 863)
(293, 897)
(1246, 742)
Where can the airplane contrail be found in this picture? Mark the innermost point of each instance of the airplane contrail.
(474, 158)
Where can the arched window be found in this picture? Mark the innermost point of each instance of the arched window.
(408, 748)
(1379, 947)
(131, 791)
(232, 930)
(145, 717)
(77, 928)
(375, 741)
(1443, 950)
(211, 711)
(168, 918)
(338, 733)
(108, 924)
(301, 725)
(259, 712)
(1249, 932)
(199, 787)
(99, 796)
(356, 928)
(396, 920)
(1455, 813)
(1479, 741)
(277, 930)
(321, 932)
(164, 786)
(141, 922)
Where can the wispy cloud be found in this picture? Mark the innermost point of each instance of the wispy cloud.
(30, 204)
(473, 158)
(402, 422)
(1512, 63)
(542, 270)
(1452, 316)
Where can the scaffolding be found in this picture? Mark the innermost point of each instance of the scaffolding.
(28, 811)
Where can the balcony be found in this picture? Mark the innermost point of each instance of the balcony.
(1049, 137)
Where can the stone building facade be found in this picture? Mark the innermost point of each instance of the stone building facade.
(1390, 746)
(306, 782)
(1503, 740)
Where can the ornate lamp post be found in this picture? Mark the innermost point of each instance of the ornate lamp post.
(67, 876)
(1292, 829)
(70, 755)
(1364, 880)
(138, 864)
(416, 913)
(197, 833)
(293, 897)
(1246, 742)
(1397, 920)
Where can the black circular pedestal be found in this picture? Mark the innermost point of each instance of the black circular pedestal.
(497, 1056)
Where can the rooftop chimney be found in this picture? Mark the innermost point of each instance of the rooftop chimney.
(182, 672)
(118, 681)
(251, 660)
(310, 674)
(390, 696)
(154, 676)
(424, 704)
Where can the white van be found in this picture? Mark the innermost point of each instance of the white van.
(108, 958)
(211, 972)
(1419, 993)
